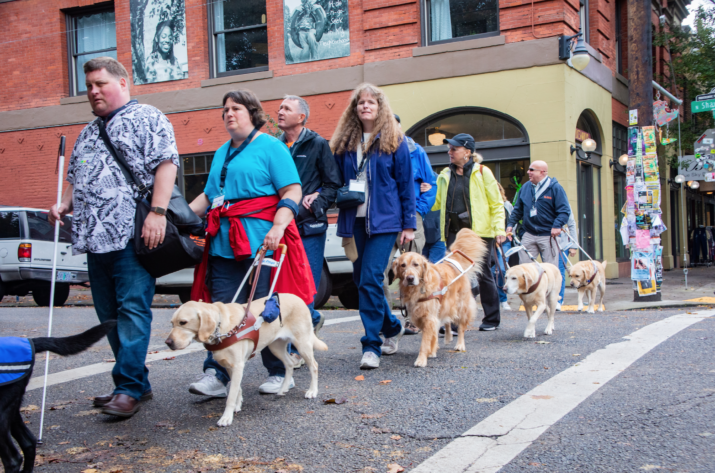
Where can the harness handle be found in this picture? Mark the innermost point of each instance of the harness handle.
(260, 255)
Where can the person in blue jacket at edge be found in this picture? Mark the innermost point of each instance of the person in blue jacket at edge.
(425, 183)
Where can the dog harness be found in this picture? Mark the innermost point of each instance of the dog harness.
(17, 357)
(442, 287)
(250, 332)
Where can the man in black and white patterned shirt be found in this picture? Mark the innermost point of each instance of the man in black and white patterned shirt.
(103, 204)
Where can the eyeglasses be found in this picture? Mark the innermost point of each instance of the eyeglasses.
(535, 170)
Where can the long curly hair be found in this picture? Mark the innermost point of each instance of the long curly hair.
(348, 134)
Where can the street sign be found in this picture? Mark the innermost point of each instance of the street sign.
(705, 97)
(703, 106)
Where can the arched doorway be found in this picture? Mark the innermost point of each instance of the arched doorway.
(501, 139)
(589, 188)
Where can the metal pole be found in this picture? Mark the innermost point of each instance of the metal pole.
(53, 276)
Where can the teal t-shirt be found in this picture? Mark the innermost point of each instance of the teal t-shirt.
(263, 167)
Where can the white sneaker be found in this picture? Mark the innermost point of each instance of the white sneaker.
(389, 346)
(504, 306)
(558, 307)
(298, 361)
(209, 385)
(273, 385)
(369, 361)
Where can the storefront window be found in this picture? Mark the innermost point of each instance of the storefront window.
(482, 126)
(450, 20)
(240, 36)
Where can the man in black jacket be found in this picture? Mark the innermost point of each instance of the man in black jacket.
(320, 178)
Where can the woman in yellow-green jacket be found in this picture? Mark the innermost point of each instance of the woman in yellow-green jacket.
(468, 197)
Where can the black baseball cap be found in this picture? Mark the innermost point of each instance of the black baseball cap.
(461, 139)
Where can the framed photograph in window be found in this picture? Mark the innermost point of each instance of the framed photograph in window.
(158, 41)
(315, 30)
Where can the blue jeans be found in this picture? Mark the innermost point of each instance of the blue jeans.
(562, 268)
(225, 275)
(435, 251)
(368, 274)
(123, 290)
(315, 249)
(506, 246)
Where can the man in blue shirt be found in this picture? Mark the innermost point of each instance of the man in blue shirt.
(425, 194)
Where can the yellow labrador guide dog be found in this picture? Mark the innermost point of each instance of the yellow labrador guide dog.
(537, 285)
(589, 277)
(204, 322)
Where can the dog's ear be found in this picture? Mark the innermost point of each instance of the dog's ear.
(395, 271)
(527, 280)
(207, 324)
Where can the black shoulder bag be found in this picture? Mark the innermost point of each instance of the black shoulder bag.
(183, 244)
(349, 199)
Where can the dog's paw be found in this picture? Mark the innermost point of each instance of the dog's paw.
(460, 347)
(601, 309)
(311, 394)
(549, 330)
(590, 311)
(433, 355)
(530, 334)
(421, 362)
(225, 420)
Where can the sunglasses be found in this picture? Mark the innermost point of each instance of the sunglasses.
(535, 170)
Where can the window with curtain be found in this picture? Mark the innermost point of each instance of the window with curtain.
(239, 36)
(194, 174)
(450, 20)
(90, 34)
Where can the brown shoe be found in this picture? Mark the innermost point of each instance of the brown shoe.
(121, 405)
(101, 401)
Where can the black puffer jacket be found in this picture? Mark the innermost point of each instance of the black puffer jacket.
(318, 172)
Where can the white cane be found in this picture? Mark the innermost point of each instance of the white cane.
(53, 277)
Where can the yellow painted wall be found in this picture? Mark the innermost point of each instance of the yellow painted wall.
(547, 101)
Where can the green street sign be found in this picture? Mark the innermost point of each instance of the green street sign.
(703, 106)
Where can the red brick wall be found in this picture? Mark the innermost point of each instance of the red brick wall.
(29, 157)
(619, 112)
(549, 17)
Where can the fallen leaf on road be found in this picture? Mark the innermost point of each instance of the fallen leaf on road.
(386, 381)
(371, 416)
(166, 424)
(706, 434)
(396, 437)
(542, 397)
(596, 382)
(90, 470)
(57, 408)
(110, 360)
(342, 400)
(213, 414)
(86, 413)
(360, 378)
(546, 367)
(29, 408)
(486, 399)
(184, 431)
(63, 443)
(309, 412)
(576, 354)
(152, 352)
(76, 450)
(170, 358)
(542, 342)
(211, 429)
(54, 427)
(394, 468)
(377, 430)
(534, 464)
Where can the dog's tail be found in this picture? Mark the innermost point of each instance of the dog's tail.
(318, 344)
(471, 245)
(76, 343)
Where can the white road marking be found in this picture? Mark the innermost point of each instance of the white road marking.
(498, 439)
(97, 368)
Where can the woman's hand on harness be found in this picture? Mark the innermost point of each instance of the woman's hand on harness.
(501, 239)
(274, 237)
(509, 233)
(407, 236)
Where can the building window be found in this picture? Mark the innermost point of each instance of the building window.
(454, 20)
(239, 36)
(193, 174)
(583, 16)
(91, 33)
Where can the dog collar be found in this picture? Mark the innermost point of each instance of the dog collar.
(236, 334)
(595, 272)
(536, 284)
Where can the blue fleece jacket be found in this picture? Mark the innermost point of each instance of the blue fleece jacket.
(552, 209)
(422, 171)
(391, 200)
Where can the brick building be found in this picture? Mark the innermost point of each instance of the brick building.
(487, 67)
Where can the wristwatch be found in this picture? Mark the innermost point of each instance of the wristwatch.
(159, 210)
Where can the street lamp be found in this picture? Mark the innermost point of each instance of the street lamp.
(694, 185)
(588, 146)
(622, 160)
(679, 179)
(580, 57)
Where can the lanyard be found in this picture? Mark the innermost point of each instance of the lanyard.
(365, 157)
(230, 155)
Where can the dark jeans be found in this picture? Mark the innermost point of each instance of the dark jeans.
(315, 249)
(225, 275)
(487, 286)
(123, 290)
(506, 246)
(368, 274)
(562, 268)
(435, 251)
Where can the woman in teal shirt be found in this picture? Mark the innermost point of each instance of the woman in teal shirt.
(259, 165)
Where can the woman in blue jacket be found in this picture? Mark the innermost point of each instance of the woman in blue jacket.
(374, 158)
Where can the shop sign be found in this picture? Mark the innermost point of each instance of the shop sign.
(582, 135)
(702, 163)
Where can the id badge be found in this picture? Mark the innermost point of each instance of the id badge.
(356, 186)
(217, 202)
(533, 212)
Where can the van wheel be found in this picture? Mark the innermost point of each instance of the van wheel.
(41, 294)
(324, 288)
(349, 297)
(185, 295)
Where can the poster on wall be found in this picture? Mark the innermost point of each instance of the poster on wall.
(158, 41)
(315, 30)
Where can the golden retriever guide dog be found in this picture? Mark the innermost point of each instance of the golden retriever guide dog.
(198, 321)
(588, 277)
(535, 288)
(419, 279)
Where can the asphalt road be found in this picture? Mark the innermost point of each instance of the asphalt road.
(657, 415)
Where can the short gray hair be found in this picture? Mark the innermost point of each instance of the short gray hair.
(113, 67)
(302, 105)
